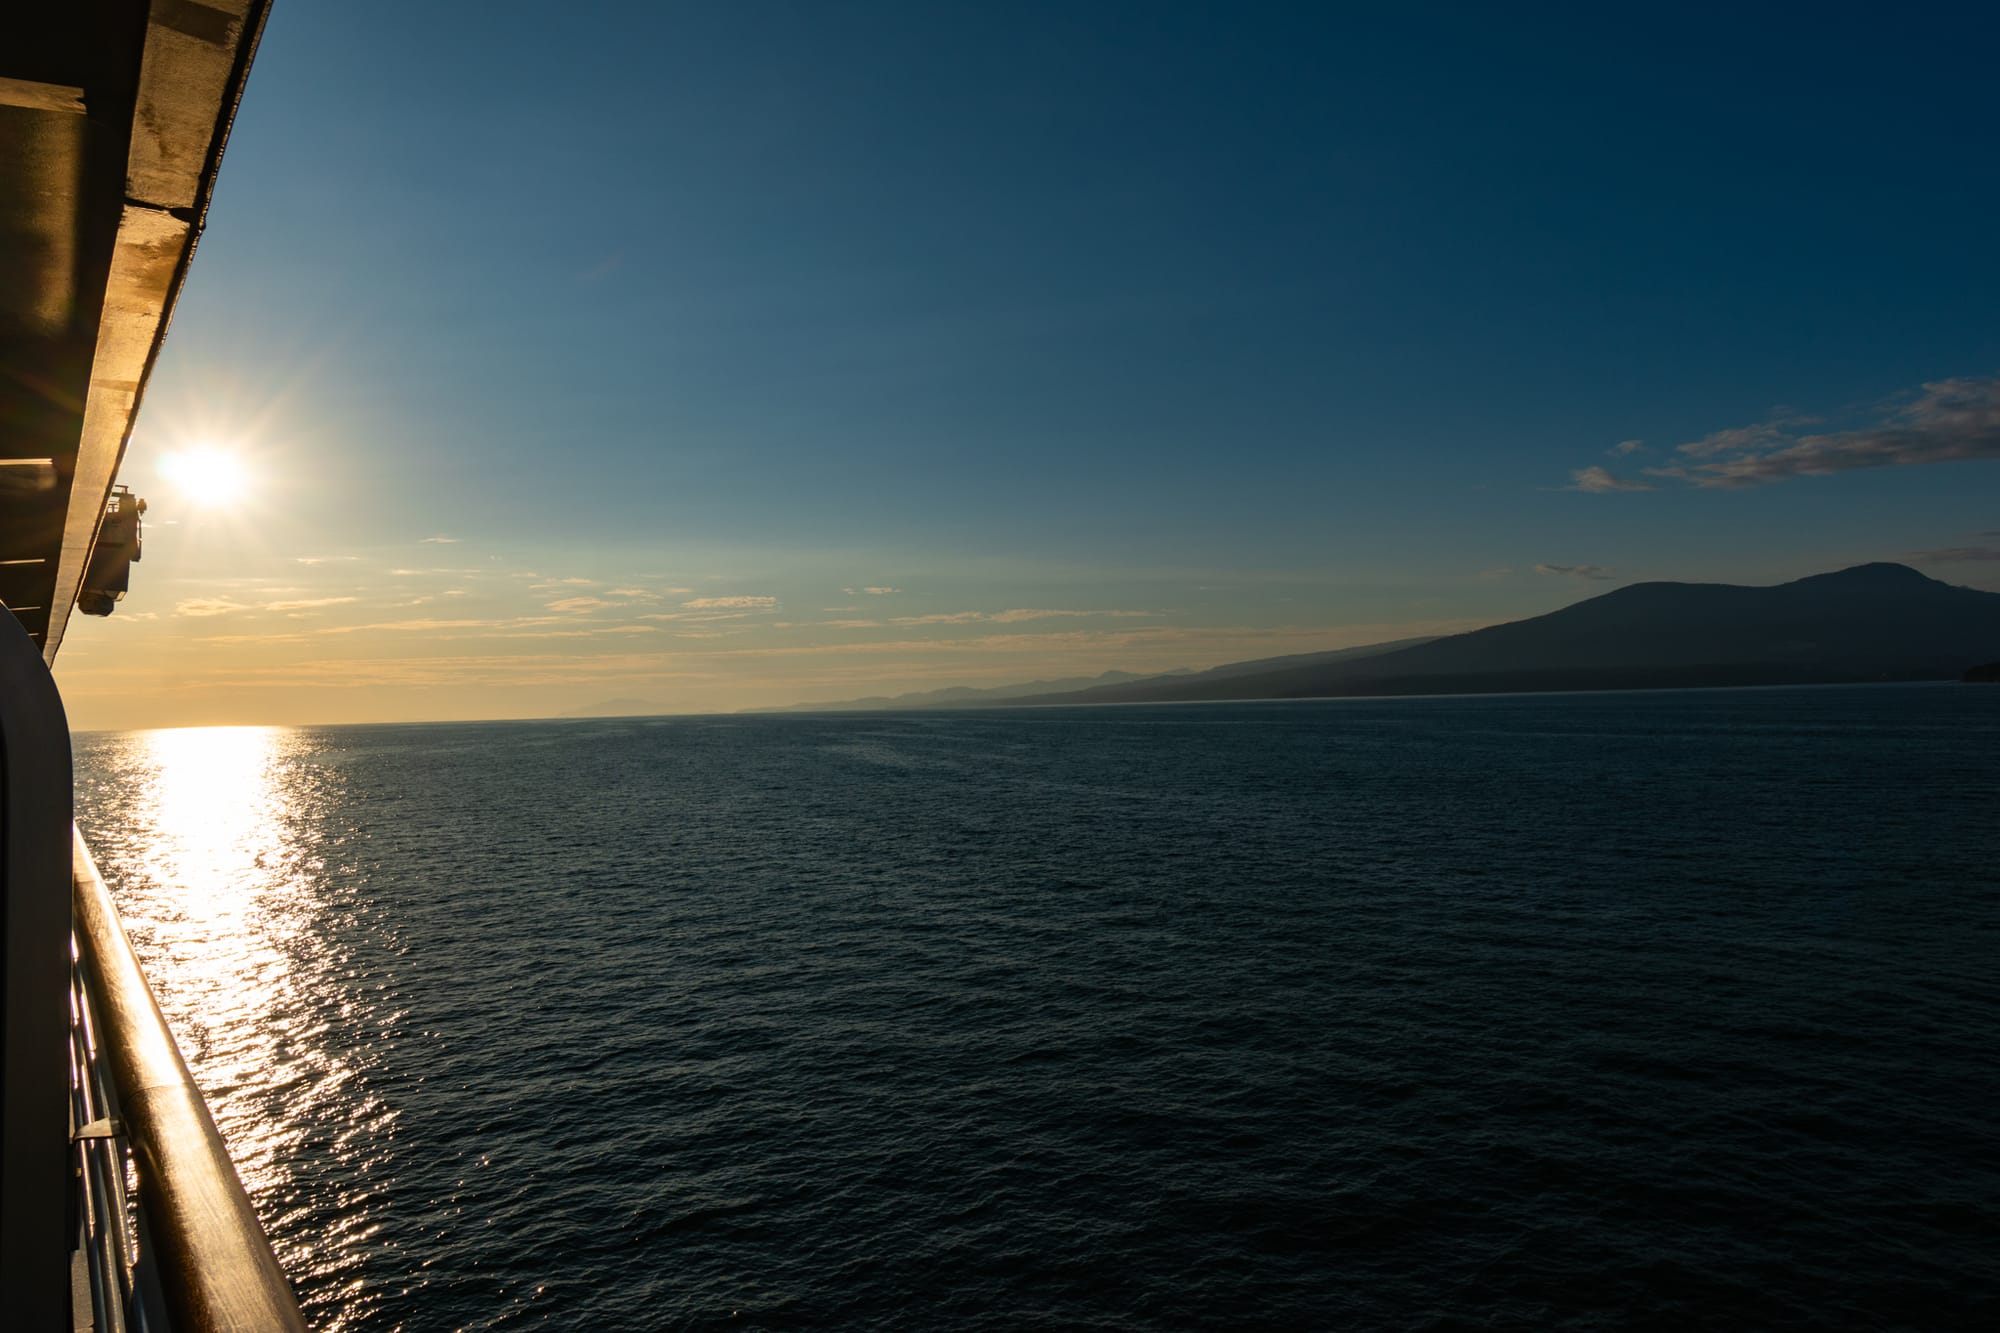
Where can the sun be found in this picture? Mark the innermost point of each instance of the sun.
(211, 478)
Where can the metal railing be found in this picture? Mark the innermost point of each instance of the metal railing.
(113, 1288)
(207, 1251)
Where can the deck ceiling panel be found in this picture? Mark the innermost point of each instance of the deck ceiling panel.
(41, 159)
(185, 75)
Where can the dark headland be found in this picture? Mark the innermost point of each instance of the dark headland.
(617, 708)
(1877, 622)
(960, 696)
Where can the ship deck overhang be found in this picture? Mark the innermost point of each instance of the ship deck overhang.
(113, 117)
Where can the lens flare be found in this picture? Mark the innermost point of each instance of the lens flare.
(212, 478)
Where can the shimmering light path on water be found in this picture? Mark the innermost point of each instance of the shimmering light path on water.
(1663, 1010)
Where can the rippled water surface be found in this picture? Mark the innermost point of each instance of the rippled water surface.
(1665, 1010)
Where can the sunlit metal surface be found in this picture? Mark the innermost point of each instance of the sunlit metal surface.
(219, 868)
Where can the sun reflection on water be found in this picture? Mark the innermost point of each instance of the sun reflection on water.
(215, 844)
(218, 826)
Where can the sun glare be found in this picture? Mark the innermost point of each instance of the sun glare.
(209, 477)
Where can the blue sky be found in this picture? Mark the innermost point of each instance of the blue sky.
(1270, 326)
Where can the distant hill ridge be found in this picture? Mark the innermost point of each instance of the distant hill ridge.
(1871, 622)
(953, 696)
(963, 696)
(616, 708)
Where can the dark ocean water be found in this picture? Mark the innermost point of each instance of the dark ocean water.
(1647, 1010)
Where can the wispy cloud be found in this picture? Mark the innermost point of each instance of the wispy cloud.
(440, 541)
(942, 618)
(696, 616)
(1576, 571)
(325, 559)
(872, 592)
(424, 626)
(737, 603)
(208, 606)
(516, 627)
(1626, 448)
(1955, 555)
(308, 603)
(1746, 439)
(573, 605)
(1946, 421)
(1597, 481)
(584, 632)
(1010, 617)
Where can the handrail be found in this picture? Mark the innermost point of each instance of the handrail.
(124, 1294)
(217, 1272)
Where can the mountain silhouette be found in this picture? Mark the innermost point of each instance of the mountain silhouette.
(953, 696)
(1871, 622)
(962, 696)
(616, 708)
